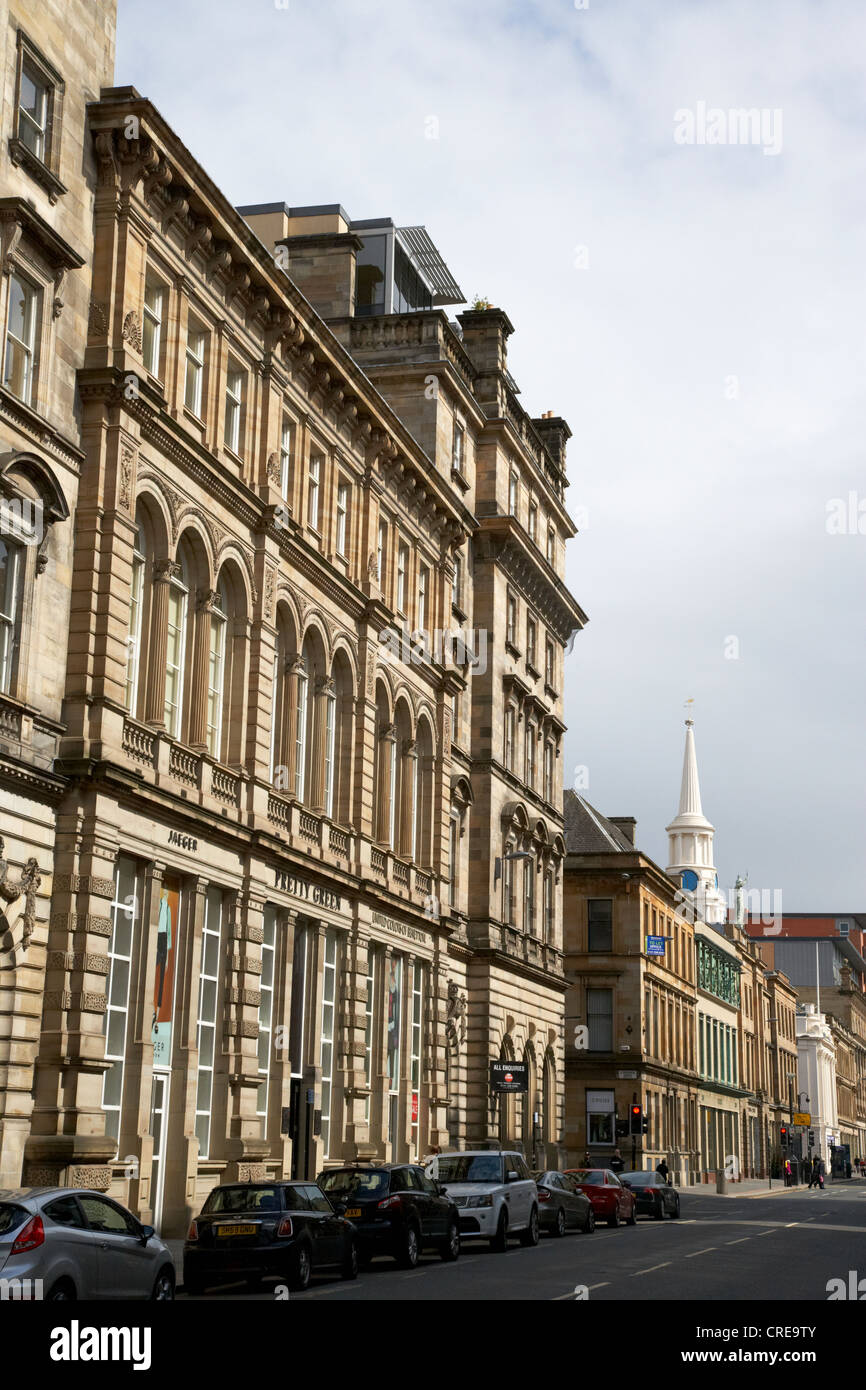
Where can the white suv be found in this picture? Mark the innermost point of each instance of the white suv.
(494, 1193)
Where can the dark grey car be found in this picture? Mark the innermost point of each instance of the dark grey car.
(61, 1244)
(561, 1205)
(654, 1196)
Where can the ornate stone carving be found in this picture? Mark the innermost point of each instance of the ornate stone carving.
(273, 467)
(270, 577)
(28, 886)
(132, 330)
(97, 324)
(127, 460)
(455, 1022)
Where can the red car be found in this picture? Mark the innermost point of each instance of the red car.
(611, 1201)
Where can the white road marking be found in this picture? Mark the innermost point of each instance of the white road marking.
(664, 1265)
(739, 1241)
(706, 1251)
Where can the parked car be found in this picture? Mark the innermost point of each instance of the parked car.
(248, 1230)
(653, 1195)
(561, 1204)
(63, 1243)
(396, 1209)
(611, 1201)
(493, 1192)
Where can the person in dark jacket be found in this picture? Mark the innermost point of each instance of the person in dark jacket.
(617, 1164)
(662, 1168)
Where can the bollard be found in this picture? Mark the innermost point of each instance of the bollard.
(721, 1182)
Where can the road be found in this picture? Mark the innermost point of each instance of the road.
(782, 1246)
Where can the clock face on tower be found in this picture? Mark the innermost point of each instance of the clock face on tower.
(689, 880)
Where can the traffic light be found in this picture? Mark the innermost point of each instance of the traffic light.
(636, 1120)
(811, 1138)
(783, 1136)
(645, 1125)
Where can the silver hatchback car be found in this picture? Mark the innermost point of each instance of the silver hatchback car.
(64, 1243)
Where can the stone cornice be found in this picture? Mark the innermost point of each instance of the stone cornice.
(156, 167)
(502, 541)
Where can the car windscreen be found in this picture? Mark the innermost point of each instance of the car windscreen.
(349, 1182)
(593, 1176)
(11, 1217)
(470, 1168)
(234, 1199)
(648, 1179)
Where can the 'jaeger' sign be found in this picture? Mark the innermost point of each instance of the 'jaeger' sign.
(309, 892)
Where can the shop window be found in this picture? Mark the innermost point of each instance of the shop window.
(266, 1011)
(125, 920)
(208, 1015)
(328, 1034)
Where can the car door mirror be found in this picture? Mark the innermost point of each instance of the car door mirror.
(511, 1176)
(340, 1208)
(145, 1234)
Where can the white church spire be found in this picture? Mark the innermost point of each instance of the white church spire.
(690, 841)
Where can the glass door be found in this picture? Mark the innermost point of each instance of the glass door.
(159, 1129)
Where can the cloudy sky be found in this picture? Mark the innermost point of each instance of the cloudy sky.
(695, 311)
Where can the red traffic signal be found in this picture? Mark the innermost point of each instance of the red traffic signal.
(636, 1120)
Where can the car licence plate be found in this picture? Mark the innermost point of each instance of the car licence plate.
(236, 1230)
(352, 1212)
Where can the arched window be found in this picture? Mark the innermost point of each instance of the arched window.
(404, 784)
(216, 670)
(11, 572)
(175, 654)
(136, 616)
(424, 795)
(386, 768)
(341, 741)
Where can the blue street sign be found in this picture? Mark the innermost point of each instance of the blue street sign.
(655, 945)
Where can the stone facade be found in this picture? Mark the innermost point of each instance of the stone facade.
(701, 1035)
(269, 921)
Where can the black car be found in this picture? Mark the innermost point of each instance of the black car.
(561, 1204)
(248, 1230)
(654, 1196)
(396, 1210)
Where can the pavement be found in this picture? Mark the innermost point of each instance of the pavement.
(791, 1248)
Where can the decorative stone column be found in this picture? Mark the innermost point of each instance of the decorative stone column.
(68, 1145)
(286, 750)
(246, 1148)
(408, 772)
(324, 692)
(355, 1089)
(387, 752)
(154, 701)
(206, 600)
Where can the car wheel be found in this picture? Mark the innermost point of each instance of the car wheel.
(349, 1268)
(302, 1268)
(163, 1289)
(632, 1219)
(407, 1255)
(450, 1247)
(676, 1210)
(589, 1223)
(499, 1243)
(62, 1292)
(659, 1213)
(530, 1235)
(614, 1219)
(559, 1224)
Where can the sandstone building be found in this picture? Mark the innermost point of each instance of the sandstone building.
(293, 782)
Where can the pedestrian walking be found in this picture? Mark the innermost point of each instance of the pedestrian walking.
(617, 1163)
(813, 1173)
(820, 1163)
(662, 1168)
(587, 1161)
